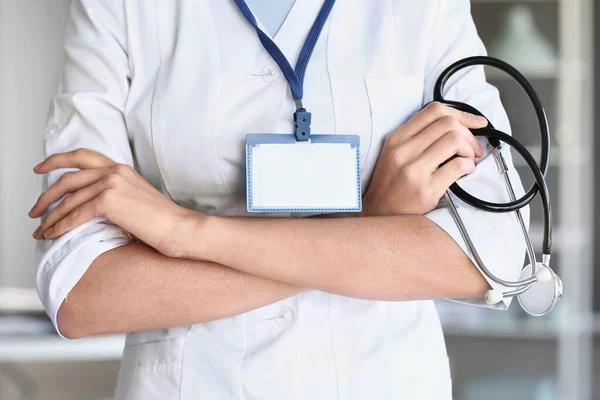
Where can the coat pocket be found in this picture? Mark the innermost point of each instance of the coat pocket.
(393, 101)
(151, 371)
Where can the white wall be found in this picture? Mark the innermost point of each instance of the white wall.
(31, 33)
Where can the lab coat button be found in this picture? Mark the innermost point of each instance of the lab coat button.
(284, 316)
(51, 131)
(271, 73)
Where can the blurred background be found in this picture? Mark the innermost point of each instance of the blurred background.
(493, 355)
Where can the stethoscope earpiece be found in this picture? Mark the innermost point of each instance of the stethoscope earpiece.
(493, 297)
(544, 274)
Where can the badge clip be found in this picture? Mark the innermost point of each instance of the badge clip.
(302, 119)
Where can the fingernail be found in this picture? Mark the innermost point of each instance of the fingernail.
(38, 166)
(480, 120)
(36, 233)
(31, 212)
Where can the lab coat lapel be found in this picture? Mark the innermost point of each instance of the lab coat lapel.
(293, 33)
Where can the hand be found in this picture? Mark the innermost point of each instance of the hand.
(105, 189)
(421, 159)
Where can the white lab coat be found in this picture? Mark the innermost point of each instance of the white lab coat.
(173, 86)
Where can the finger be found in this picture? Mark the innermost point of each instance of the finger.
(450, 172)
(434, 111)
(80, 158)
(67, 206)
(68, 183)
(441, 127)
(469, 120)
(450, 145)
(77, 217)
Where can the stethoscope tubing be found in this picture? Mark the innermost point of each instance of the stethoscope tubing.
(519, 78)
(495, 137)
(521, 286)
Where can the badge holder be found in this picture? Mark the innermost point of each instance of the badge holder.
(301, 172)
(321, 174)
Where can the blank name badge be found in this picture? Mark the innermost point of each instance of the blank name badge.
(320, 175)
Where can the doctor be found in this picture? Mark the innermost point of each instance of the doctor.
(146, 141)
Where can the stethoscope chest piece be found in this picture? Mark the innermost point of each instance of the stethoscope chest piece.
(542, 297)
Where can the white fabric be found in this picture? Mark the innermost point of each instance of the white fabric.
(172, 87)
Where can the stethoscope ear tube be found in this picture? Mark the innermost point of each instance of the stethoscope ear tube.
(540, 185)
(540, 113)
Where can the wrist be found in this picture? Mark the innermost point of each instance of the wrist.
(191, 228)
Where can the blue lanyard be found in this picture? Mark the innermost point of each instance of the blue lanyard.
(294, 76)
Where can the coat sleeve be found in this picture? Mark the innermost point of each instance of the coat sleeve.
(87, 112)
(497, 237)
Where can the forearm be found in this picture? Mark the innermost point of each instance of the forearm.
(133, 288)
(382, 258)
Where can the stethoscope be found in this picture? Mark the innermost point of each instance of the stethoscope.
(538, 288)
